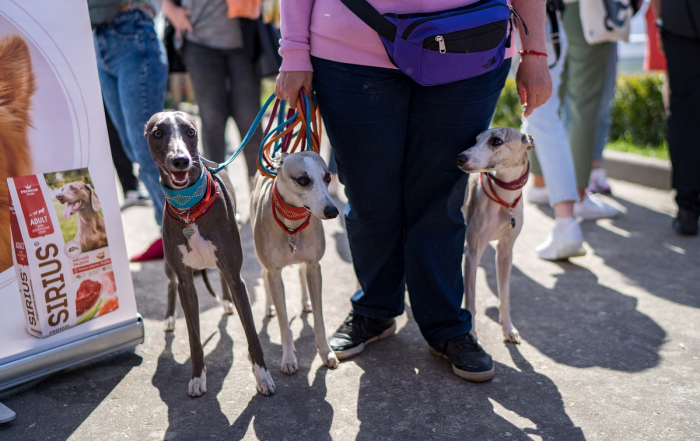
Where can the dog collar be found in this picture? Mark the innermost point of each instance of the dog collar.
(281, 208)
(513, 185)
(186, 197)
(199, 210)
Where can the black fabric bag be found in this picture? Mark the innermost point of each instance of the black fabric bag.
(261, 42)
(175, 62)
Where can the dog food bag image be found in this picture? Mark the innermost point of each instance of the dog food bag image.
(60, 251)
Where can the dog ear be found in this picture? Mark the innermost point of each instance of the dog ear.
(528, 141)
(94, 200)
(16, 76)
(279, 160)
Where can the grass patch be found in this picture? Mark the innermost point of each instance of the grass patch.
(660, 152)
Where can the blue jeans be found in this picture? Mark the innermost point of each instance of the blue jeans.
(133, 73)
(395, 144)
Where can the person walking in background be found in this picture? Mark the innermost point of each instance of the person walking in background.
(133, 194)
(222, 72)
(396, 142)
(588, 74)
(133, 73)
(552, 157)
(679, 24)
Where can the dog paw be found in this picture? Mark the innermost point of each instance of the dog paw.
(270, 311)
(228, 307)
(511, 334)
(331, 360)
(198, 385)
(289, 366)
(263, 380)
(306, 306)
(169, 324)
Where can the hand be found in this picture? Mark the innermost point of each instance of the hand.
(534, 83)
(289, 84)
(178, 16)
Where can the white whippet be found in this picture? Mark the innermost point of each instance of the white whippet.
(286, 214)
(492, 210)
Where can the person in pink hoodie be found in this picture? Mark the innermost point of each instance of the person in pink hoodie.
(395, 143)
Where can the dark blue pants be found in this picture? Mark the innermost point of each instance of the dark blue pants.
(395, 143)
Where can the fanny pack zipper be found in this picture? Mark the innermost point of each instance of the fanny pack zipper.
(417, 23)
(454, 37)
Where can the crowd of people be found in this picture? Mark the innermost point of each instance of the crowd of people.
(389, 132)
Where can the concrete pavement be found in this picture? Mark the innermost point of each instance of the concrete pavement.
(611, 351)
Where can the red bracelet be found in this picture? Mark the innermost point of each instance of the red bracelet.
(529, 52)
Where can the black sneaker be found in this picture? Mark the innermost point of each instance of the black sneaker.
(469, 361)
(686, 223)
(357, 331)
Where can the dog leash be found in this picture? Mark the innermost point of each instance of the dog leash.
(304, 128)
(279, 207)
(513, 185)
(189, 216)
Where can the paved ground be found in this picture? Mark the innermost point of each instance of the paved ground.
(610, 352)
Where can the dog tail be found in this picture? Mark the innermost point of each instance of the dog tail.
(205, 278)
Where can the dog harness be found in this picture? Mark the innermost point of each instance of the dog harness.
(513, 185)
(200, 208)
(279, 207)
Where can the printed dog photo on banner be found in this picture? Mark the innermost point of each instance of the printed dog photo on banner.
(28, 131)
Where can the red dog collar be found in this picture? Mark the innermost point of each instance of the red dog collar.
(281, 208)
(513, 185)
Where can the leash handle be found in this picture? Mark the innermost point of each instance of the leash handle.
(284, 138)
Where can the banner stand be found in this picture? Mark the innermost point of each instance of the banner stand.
(44, 363)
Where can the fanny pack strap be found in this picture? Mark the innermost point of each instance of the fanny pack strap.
(372, 18)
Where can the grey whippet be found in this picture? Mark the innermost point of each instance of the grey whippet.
(286, 213)
(196, 243)
(498, 162)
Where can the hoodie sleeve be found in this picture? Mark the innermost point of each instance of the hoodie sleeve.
(294, 26)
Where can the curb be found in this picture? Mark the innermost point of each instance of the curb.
(650, 172)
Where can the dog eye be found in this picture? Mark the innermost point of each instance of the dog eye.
(496, 141)
(303, 181)
(158, 134)
(327, 178)
(191, 132)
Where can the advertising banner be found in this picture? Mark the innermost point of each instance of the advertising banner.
(66, 293)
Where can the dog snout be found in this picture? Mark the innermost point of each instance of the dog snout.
(461, 159)
(330, 212)
(181, 162)
(59, 197)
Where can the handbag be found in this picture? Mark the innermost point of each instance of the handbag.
(606, 20)
(446, 46)
(261, 42)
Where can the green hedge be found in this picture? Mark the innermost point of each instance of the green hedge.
(638, 115)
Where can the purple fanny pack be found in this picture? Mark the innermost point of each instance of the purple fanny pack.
(445, 46)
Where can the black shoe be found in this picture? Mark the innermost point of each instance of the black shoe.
(686, 223)
(469, 361)
(357, 331)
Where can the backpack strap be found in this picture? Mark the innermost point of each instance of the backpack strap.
(372, 18)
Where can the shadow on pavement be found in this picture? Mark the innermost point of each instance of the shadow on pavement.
(400, 377)
(643, 247)
(579, 322)
(59, 406)
(194, 418)
(297, 410)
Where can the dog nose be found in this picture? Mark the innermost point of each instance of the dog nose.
(461, 159)
(331, 212)
(181, 162)
(59, 197)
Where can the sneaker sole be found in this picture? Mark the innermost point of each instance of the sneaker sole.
(565, 254)
(342, 355)
(475, 377)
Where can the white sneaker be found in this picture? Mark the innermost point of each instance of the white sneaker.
(562, 242)
(598, 181)
(538, 195)
(592, 208)
(136, 197)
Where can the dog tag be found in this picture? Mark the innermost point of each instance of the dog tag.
(188, 231)
(292, 247)
(512, 219)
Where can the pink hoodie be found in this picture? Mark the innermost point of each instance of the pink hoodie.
(327, 29)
